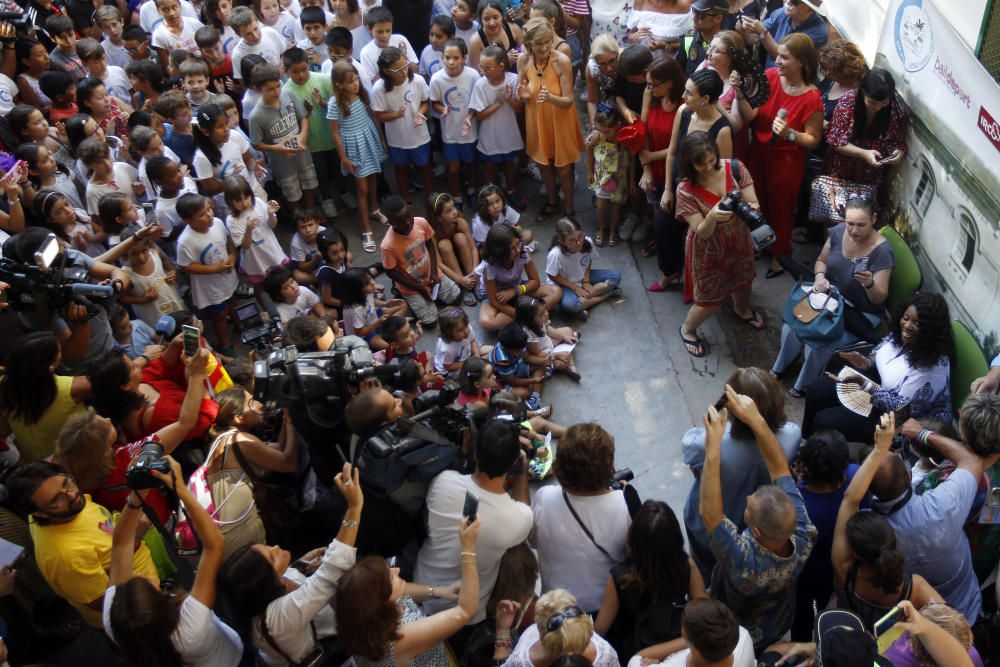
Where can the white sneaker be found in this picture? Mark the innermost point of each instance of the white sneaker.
(367, 242)
(628, 227)
(329, 208)
(349, 200)
(641, 232)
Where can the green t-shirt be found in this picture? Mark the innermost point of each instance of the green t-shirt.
(319, 138)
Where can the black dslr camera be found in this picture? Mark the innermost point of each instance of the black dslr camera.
(139, 474)
(621, 477)
(761, 233)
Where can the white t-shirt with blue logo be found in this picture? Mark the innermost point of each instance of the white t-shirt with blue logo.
(402, 133)
(455, 92)
(571, 266)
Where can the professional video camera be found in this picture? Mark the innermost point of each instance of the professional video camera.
(417, 448)
(139, 476)
(286, 377)
(49, 284)
(760, 232)
(259, 332)
(23, 22)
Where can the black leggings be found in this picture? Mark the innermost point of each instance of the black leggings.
(824, 412)
(670, 235)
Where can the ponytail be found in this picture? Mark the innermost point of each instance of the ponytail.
(873, 540)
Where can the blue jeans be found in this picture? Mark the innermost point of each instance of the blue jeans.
(571, 302)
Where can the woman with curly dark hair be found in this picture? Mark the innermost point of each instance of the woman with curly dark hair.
(645, 594)
(911, 366)
(581, 524)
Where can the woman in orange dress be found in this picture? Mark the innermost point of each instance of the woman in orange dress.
(552, 129)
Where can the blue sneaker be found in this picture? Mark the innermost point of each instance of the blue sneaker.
(534, 401)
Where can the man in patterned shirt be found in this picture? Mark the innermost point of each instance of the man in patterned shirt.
(756, 570)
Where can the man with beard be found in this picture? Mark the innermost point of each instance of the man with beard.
(72, 536)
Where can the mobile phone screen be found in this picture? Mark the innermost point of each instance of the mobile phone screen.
(471, 506)
(192, 339)
(885, 623)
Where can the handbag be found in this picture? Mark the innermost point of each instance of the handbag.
(816, 327)
(277, 500)
(828, 198)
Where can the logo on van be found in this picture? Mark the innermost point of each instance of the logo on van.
(989, 126)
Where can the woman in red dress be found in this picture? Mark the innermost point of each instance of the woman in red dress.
(719, 256)
(779, 145)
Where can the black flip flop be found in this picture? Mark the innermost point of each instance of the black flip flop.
(688, 343)
(751, 321)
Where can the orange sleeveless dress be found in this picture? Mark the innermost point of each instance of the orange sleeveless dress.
(551, 134)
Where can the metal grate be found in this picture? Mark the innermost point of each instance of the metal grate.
(989, 54)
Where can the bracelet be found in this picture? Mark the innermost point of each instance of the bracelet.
(503, 643)
(128, 501)
(470, 554)
(522, 289)
(146, 357)
(14, 202)
(349, 523)
(430, 592)
(819, 273)
(924, 436)
(868, 386)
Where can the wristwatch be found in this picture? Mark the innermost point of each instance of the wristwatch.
(792, 136)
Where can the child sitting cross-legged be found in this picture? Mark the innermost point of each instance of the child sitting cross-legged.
(507, 272)
(291, 299)
(569, 265)
(456, 343)
(363, 313)
(512, 370)
(332, 246)
(532, 314)
(302, 249)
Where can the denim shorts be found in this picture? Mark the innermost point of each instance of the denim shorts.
(499, 158)
(460, 152)
(418, 156)
(574, 46)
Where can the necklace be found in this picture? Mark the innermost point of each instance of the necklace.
(540, 71)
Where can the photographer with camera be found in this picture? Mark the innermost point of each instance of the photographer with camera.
(506, 519)
(581, 525)
(88, 445)
(157, 628)
(82, 327)
(716, 199)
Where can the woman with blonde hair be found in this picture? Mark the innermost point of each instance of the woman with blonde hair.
(600, 72)
(561, 628)
(552, 128)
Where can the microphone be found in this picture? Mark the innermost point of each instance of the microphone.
(164, 327)
(783, 115)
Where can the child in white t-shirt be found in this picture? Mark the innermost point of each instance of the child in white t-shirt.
(432, 57)
(493, 209)
(302, 249)
(451, 92)
(569, 265)
(291, 299)
(495, 101)
(363, 313)
(176, 31)
(251, 226)
(206, 252)
(378, 20)
(456, 343)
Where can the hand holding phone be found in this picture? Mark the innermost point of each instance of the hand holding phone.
(192, 339)
(885, 623)
(860, 264)
(471, 508)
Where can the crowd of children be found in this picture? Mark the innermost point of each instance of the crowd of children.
(213, 123)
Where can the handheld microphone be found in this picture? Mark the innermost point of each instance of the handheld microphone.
(783, 115)
(165, 326)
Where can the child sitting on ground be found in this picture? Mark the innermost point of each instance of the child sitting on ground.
(152, 291)
(507, 272)
(459, 255)
(291, 299)
(477, 382)
(456, 344)
(363, 313)
(513, 372)
(569, 265)
(493, 209)
(402, 338)
(131, 337)
(302, 249)
(332, 246)
(532, 314)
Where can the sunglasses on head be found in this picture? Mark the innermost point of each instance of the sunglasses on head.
(859, 195)
(556, 621)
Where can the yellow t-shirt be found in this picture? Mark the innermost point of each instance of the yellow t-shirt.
(38, 440)
(75, 558)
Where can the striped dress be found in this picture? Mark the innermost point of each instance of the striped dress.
(361, 141)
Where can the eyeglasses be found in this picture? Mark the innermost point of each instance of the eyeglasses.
(859, 195)
(654, 84)
(607, 63)
(62, 498)
(397, 70)
(556, 621)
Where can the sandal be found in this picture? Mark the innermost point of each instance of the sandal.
(367, 242)
(549, 209)
(600, 239)
(544, 412)
(378, 216)
(614, 240)
(697, 344)
(756, 321)
(649, 249)
(470, 298)
(796, 393)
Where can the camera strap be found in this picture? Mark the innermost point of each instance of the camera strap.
(586, 530)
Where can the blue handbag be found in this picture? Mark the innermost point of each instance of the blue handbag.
(816, 327)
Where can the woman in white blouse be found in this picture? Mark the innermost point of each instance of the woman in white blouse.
(911, 366)
(286, 611)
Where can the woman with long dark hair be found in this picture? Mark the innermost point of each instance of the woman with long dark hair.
(646, 593)
(869, 569)
(911, 366)
(154, 628)
(286, 610)
(867, 132)
(34, 401)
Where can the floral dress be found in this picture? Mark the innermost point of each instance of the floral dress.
(839, 133)
(611, 163)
